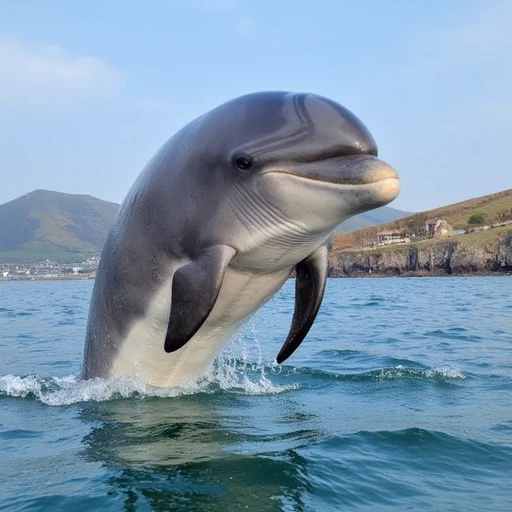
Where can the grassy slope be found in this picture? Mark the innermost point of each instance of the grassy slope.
(458, 214)
(53, 225)
(496, 207)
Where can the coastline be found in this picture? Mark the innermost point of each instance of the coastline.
(360, 275)
(62, 277)
(422, 275)
(480, 254)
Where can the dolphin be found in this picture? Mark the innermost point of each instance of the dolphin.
(215, 224)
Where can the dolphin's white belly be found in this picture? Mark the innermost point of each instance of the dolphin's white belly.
(142, 352)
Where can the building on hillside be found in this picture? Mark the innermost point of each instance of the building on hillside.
(438, 229)
(392, 238)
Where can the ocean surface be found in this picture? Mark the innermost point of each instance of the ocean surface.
(399, 399)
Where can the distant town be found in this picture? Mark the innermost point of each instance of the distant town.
(48, 270)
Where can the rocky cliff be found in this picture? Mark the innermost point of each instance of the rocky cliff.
(482, 253)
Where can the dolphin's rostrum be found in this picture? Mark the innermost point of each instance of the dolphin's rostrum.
(215, 224)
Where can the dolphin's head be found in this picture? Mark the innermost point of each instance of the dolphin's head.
(291, 166)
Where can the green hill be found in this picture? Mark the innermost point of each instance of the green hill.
(52, 225)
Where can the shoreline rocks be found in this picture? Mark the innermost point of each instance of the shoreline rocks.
(454, 256)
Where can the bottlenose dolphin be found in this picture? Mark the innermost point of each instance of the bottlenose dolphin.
(215, 224)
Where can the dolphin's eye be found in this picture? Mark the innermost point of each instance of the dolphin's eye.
(243, 162)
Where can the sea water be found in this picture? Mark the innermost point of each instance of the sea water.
(400, 398)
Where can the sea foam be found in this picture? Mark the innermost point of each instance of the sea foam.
(229, 375)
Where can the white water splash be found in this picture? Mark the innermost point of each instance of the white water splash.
(242, 366)
(228, 374)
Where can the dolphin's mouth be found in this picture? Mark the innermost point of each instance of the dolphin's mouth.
(375, 181)
(345, 170)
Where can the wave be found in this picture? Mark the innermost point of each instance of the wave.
(361, 359)
(228, 376)
(437, 373)
(434, 454)
(440, 374)
(429, 440)
(232, 376)
(357, 365)
(435, 448)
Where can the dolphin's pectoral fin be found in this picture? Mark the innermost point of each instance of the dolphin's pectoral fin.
(309, 292)
(195, 288)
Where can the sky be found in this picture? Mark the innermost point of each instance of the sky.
(89, 90)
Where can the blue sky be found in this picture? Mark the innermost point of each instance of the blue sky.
(89, 90)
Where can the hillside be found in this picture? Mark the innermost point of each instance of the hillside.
(45, 224)
(478, 240)
(68, 227)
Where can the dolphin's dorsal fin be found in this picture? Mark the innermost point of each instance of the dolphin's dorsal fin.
(309, 292)
(195, 288)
